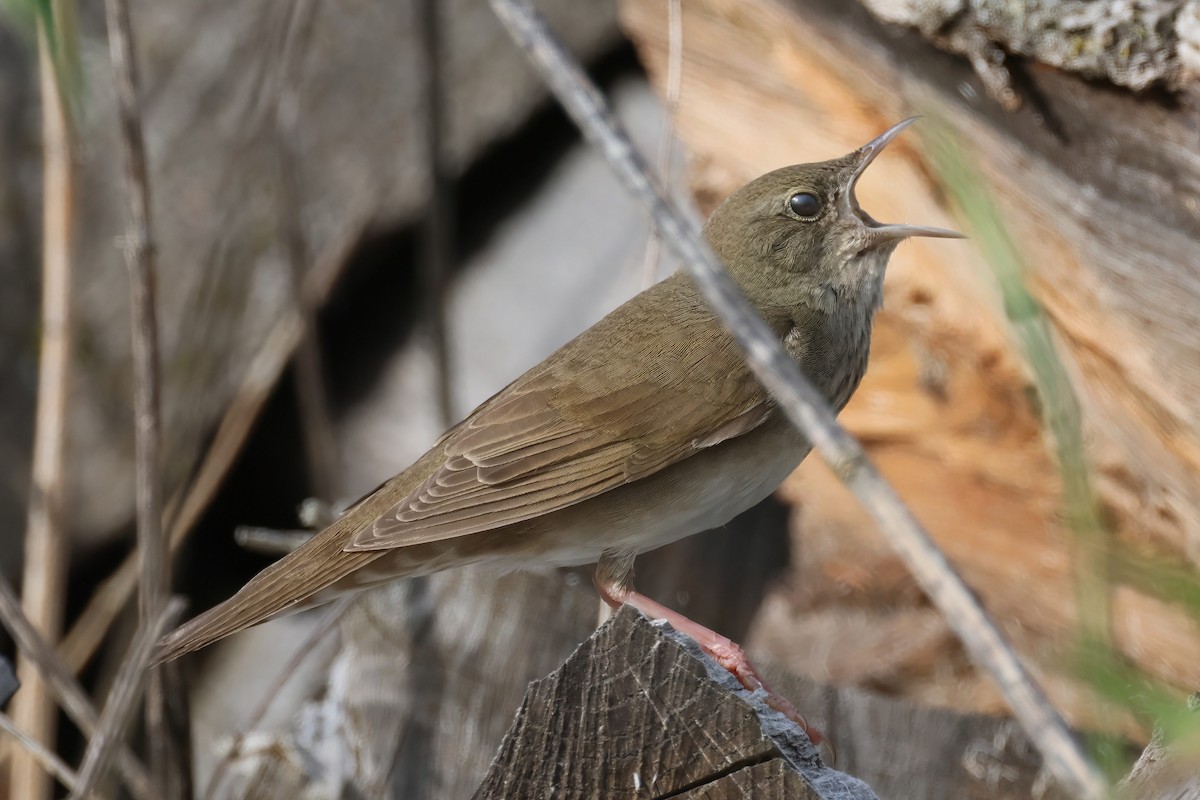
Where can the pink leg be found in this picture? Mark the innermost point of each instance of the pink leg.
(726, 652)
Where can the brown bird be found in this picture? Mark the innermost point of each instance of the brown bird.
(646, 428)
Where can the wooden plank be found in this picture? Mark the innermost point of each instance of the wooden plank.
(639, 712)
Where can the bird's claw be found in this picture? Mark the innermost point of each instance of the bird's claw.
(733, 658)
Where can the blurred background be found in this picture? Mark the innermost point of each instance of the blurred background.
(370, 217)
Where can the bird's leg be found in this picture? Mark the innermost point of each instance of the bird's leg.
(614, 581)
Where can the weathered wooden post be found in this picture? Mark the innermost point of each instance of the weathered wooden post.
(638, 711)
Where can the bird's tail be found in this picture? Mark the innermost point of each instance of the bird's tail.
(290, 584)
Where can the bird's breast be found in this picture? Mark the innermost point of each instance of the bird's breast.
(832, 351)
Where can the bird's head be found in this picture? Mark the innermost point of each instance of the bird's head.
(798, 234)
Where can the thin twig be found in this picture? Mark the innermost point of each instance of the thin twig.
(46, 546)
(122, 701)
(270, 541)
(306, 648)
(155, 573)
(262, 375)
(667, 135)
(47, 759)
(316, 429)
(807, 408)
(139, 257)
(437, 232)
(62, 683)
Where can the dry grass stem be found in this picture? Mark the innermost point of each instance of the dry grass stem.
(155, 565)
(139, 258)
(47, 759)
(66, 689)
(46, 544)
(807, 408)
(122, 701)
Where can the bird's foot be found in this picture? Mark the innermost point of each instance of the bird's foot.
(724, 651)
(732, 657)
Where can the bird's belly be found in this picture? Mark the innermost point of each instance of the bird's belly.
(704, 491)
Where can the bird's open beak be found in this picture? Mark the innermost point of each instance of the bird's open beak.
(863, 158)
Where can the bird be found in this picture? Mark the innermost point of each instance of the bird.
(646, 428)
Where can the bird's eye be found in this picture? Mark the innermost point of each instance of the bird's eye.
(804, 204)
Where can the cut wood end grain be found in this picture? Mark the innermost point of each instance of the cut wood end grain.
(640, 711)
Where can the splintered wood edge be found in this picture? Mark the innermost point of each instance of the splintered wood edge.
(638, 710)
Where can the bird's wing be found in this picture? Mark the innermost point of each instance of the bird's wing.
(557, 436)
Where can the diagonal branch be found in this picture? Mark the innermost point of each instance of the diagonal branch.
(45, 758)
(806, 407)
(122, 702)
(62, 683)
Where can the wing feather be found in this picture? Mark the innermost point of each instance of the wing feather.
(574, 428)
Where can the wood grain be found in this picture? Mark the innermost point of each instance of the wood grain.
(637, 711)
(766, 781)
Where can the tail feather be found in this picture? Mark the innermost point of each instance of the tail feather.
(287, 585)
(297, 580)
